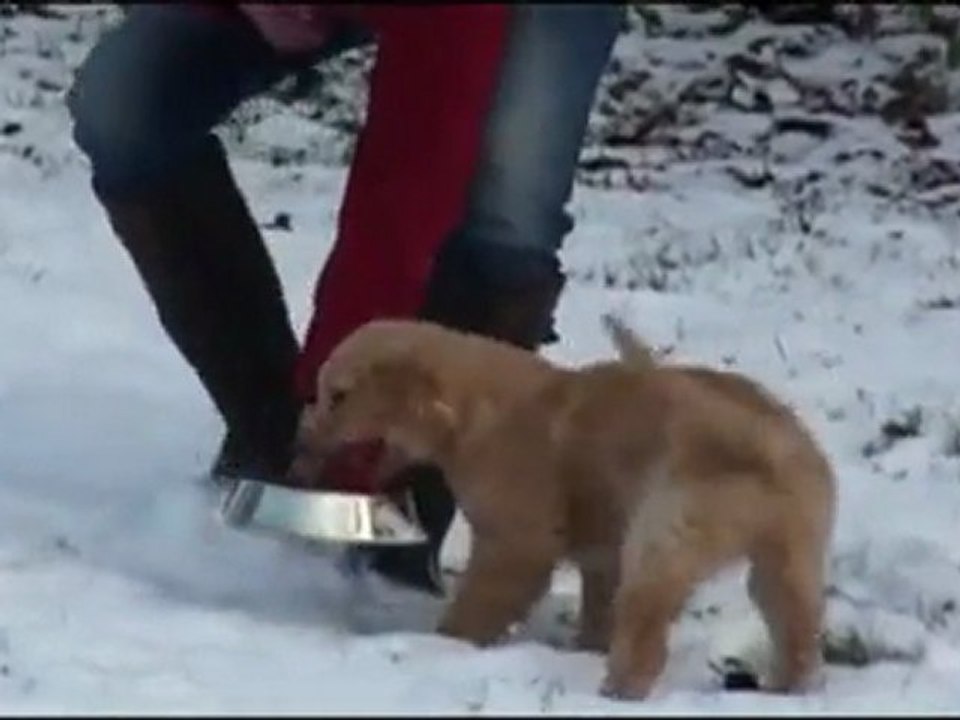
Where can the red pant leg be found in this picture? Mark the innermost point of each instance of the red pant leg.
(430, 91)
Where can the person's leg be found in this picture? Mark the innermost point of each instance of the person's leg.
(433, 131)
(143, 105)
(499, 272)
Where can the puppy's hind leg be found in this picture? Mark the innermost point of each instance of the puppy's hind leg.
(653, 591)
(786, 584)
(664, 557)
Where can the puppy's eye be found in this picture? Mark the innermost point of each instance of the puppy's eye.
(336, 397)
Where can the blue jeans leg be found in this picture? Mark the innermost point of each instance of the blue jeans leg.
(150, 92)
(516, 216)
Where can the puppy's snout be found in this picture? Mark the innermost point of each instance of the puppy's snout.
(308, 422)
(308, 449)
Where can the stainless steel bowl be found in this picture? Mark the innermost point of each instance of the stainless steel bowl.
(325, 516)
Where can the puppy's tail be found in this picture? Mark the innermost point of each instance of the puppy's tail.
(630, 347)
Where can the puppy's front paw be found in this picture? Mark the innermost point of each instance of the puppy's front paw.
(471, 630)
(616, 688)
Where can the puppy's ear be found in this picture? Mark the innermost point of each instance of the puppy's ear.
(410, 378)
(403, 374)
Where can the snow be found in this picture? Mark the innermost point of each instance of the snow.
(120, 591)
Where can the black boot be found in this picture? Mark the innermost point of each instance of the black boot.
(509, 294)
(204, 265)
(471, 294)
(417, 566)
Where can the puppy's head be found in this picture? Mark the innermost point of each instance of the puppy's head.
(381, 383)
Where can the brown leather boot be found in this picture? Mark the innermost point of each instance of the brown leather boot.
(217, 294)
(516, 308)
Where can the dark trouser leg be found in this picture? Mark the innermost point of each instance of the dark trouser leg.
(144, 104)
(221, 304)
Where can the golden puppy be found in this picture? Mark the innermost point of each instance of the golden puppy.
(648, 477)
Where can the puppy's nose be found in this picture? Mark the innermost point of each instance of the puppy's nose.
(305, 470)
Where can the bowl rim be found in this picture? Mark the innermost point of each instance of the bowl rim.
(240, 501)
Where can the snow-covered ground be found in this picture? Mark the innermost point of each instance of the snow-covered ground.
(121, 592)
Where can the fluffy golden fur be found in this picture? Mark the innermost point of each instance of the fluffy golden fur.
(649, 477)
